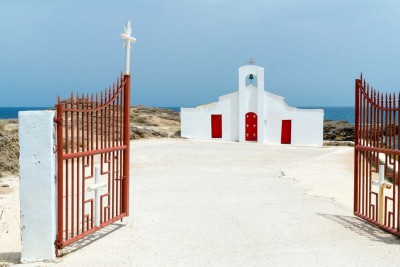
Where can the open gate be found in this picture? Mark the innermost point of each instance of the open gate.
(376, 157)
(93, 136)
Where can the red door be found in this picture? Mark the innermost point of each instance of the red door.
(286, 135)
(216, 126)
(251, 126)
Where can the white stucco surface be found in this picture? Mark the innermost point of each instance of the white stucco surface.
(37, 185)
(271, 109)
(198, 121)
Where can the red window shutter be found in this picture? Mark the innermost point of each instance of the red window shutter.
(216, 126)
(286, 135)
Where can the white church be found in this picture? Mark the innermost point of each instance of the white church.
(253, 115)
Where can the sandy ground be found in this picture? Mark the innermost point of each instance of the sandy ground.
(199, 203)
(10, 243)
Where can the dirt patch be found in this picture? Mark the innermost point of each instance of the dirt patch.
(9, 156)
(154, 123)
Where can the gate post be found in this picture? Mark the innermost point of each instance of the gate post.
(37, 185)
(127, 112)
(60, 177)
(356, 143)
(128, 39)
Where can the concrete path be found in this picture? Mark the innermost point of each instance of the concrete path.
(199, 203)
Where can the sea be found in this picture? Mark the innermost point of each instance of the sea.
(331, 113)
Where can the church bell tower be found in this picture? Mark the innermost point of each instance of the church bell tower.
(251, 75)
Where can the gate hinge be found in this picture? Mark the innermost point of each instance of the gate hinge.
(57, 120)
(57, 243)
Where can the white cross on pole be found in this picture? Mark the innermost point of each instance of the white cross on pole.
(95, 187)
(381, 195)
(127, 44)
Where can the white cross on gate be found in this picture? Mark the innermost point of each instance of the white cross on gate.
(381, 194)
(95, 187)
(127, 44)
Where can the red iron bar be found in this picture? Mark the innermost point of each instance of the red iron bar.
(376, 144)
(92, 131)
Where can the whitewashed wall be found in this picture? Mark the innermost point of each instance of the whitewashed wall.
(196, 122)
(37, 185)
(307, 124)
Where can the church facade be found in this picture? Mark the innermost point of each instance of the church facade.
(252, 114)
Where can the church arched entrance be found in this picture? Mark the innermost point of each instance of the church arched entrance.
(251, 126)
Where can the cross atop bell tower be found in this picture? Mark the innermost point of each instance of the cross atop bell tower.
(250, 62)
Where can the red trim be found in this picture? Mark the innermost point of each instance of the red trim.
(216, 126)
(251, 126)
(286, 134)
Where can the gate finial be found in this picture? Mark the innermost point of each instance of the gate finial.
(127, 44)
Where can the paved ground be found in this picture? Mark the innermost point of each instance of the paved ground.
(198, 203)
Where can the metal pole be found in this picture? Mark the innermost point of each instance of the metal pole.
(356, 142)
(127, 111)
(60, 229)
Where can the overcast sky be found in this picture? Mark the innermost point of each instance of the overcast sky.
(188, 52)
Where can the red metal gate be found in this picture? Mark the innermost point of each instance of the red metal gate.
(92, 131)
(376, 175)
(251, 126)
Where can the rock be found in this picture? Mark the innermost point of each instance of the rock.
(339, 143)
(138, 133)
(338, 131)
(177, 134)
(147, 122)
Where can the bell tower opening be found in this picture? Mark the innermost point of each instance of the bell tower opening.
(251, 79)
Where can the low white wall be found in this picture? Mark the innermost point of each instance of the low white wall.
(37, 185)
(196, 122)
(307, 124)
(308, 127)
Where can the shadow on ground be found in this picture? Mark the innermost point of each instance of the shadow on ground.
(9, 257)
(363, 228)
(90, 238)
